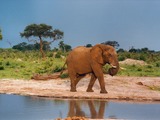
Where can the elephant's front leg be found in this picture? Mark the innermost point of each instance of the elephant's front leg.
(91, 83)
(99, 74)
(102, 84)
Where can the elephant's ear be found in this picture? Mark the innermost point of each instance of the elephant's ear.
(96, 54)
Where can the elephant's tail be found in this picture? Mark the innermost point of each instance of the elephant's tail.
(63, 68)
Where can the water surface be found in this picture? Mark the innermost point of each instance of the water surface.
(14, 107)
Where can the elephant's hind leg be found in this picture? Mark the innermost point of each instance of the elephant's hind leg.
(79, 77)
(73, 78)
(73, 84)
(91, 83)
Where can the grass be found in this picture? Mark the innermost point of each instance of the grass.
(24, 69)
(137, 70)
(13, 68)
(22, 65)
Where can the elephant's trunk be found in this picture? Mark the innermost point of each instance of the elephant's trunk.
(114, 69)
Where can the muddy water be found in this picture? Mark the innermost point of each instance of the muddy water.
(13, 107)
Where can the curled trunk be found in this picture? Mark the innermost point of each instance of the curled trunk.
(113, 71)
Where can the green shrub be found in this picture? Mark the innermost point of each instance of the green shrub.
(7, 63)
(1, 67)
(121, 58)
(142, 57)
(22, 66)
(65, 75)
(50, 54)
(158, 64)
(58, 54)
(139, 69)
(57, 69)
(149, 66)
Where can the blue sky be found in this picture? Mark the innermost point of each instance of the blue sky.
(129, 22)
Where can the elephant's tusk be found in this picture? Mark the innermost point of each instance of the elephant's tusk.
(113, 66)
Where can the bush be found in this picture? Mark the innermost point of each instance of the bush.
(139, 69)
(142, 57)
(158, 64)
(65, 75)
(58, 54)
(7, 63)
(121, 58)
(149, 66)
(1, 68)
(57, 69)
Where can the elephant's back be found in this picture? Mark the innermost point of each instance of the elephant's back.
(79, 58)
(81, 49)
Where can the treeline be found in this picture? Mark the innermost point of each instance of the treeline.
(46, 47)
(138, 54)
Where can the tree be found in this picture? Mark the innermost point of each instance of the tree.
(89, 45)
(39, 32)
(133, 50)
(115, 44)
(68, 47)
(120, 50)
(61, 45)
(46, 46)
(1, 35)
(20, 46)
(24, 46)
(64, 47)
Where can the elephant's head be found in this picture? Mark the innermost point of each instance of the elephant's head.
(106, 54)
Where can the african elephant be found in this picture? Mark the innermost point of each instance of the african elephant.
(82, 60)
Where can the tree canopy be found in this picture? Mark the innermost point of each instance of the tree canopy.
(64, 47)
(89, 45)
(24, 46)
(115, 44)
(1, 35)
(38, 32)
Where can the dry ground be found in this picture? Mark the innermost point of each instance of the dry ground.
(119, 88)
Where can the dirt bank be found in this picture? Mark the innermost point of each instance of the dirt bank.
(120, 88)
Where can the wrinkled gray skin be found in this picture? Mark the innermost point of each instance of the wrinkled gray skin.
(82, 60)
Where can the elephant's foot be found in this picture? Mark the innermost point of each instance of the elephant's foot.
(89, 90)
(73, 90)
(103, 91)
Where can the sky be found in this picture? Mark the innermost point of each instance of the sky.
(132, 23)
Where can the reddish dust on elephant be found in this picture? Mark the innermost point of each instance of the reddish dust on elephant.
(82, 61)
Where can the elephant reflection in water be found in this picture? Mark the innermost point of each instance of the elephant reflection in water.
(75, 109)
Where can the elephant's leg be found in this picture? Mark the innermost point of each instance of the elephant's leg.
(99, 74)
(79, 77)
(74, 81)
(102, 84)
(91, 83)
(73, 78)
(73, 84)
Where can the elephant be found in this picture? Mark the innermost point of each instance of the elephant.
(82, 60)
